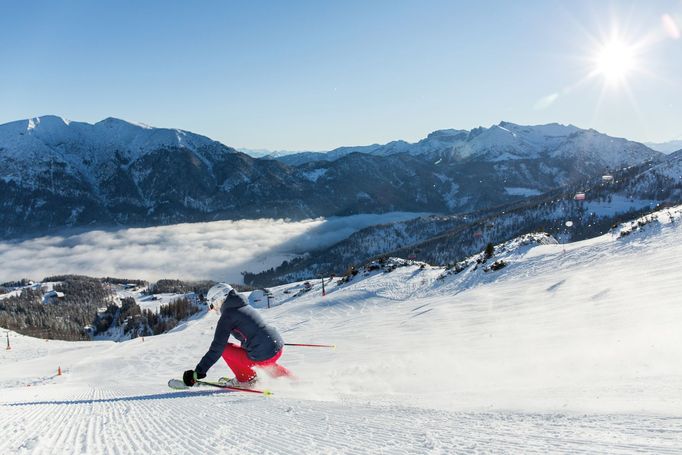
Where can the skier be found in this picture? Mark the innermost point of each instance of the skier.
(261, 345)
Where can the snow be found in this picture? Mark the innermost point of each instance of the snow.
(671, 168)
(13, 293)
(505, 141)
(154, 302)
(569, 348)
(613, 152)
(56, 140)
(315, 174)
(516, 191)
(618, 204)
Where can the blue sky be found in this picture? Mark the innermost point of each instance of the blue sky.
(317, 75)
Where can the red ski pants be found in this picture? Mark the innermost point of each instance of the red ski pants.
(242, 365)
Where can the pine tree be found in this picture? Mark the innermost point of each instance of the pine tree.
(489, 250)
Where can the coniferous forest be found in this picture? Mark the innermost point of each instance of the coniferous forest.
(80, 308)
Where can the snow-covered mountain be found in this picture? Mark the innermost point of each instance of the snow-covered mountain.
(59, 173)
(26, 144)
(447, 239)
(665, 147)
(53, 132)
(269, 154)
(564, 349)
(502, 142)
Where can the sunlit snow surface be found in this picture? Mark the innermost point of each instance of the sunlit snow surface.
(570, 348)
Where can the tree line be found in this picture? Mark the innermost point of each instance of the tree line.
(64, 319)
(89, 307)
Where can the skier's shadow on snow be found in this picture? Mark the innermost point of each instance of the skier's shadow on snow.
(156, 396)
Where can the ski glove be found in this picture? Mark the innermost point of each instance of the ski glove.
(190, 377)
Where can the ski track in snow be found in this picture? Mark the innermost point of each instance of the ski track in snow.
(569, 349)
(104, 422)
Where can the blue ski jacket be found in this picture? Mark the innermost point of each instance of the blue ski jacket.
(238, 319)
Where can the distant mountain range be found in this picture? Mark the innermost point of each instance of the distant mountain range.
(665, 147)
(57, 173)
(499, 142)
(445, 240)
(266, 153)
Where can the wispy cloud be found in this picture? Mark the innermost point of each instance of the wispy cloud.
(218, 250)
(670, 26)
(545, 101)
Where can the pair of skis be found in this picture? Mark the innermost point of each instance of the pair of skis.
(177, 384)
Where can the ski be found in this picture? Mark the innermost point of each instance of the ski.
(177, 384)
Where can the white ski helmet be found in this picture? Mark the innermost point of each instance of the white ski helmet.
(217, 294)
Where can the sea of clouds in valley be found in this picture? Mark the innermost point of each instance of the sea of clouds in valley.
(218, 250)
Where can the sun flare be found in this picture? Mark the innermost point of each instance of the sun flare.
(614, 61)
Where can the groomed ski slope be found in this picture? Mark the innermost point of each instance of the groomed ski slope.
(569, 349)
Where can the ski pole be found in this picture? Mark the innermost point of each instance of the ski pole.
(333, 346)
(236, 389)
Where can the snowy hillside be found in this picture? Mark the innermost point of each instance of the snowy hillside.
(57, 132)
(82, 145)
(608, 199)
(565, 349)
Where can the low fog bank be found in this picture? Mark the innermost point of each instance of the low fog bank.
(218, 250)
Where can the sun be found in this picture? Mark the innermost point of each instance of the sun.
(614, 61)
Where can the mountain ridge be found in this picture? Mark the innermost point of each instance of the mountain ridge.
(506, 140)
(665, 147)
(61, 173)
(442, 240)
